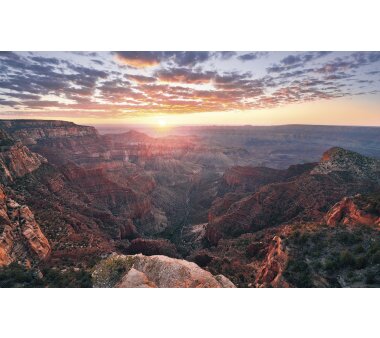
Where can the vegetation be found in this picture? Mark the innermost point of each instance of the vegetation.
(109, 271)
(338, 255)
(16, 275)
(298, 273)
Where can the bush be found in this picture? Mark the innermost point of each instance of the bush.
(331, 265)
(346, 259)
(370, 277)
(348, 238)
(150, 247)
(361, 262)
(202, 259)
(15, 275)
(376, 258)
(298, 273)
(67, 279)
(253, 249)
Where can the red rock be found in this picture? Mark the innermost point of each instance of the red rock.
(348, 212)
(273, 267)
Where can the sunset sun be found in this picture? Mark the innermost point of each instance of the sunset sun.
(162, 123)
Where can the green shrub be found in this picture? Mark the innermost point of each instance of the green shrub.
(361, 262)
(298, 273)
(15, 275)
(346, 259)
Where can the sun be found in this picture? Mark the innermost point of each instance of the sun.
(162, 123)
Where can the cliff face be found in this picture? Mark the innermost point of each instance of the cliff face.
(30, 131)
(141, 271)
(21, 239)
(16, 160)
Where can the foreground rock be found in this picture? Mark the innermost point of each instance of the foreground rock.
(141, 271)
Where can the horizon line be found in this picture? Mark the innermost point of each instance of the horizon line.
(192, 125)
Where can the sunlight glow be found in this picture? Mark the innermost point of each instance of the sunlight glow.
(162, 123)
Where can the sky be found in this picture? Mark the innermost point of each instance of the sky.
(192, 88)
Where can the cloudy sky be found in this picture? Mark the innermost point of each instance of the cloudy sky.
(192, 87)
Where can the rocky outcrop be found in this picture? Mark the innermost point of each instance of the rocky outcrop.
(271, 272)
(349, 212)
(16, 160)
(30, 131)
(21, 239)
(341, 160)
(154, 271)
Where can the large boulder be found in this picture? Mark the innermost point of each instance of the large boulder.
(139, 271)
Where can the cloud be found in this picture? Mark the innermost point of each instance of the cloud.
(184, 75)
(150, 59)
(179, 82)
(224, 55)
(252, 56)
(140, 78)
(295, 60)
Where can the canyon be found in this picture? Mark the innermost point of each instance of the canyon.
(286, 206)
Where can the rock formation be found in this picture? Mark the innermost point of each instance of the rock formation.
(154, 271)
(21, 239)
(16, 160)
(271, 273)
(349, 212)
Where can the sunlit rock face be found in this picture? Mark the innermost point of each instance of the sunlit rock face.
(354, 211)
(154, 271)
(16, 160)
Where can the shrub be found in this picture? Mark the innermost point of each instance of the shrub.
(376, 258)
(15, 275)
(67, 279)
(298, 273)
(202, 259)
(361, 262)
(346, 259)
(370, 277)
(150, 247)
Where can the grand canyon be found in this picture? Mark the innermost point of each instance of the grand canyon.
(189, 169)
(191, 206)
